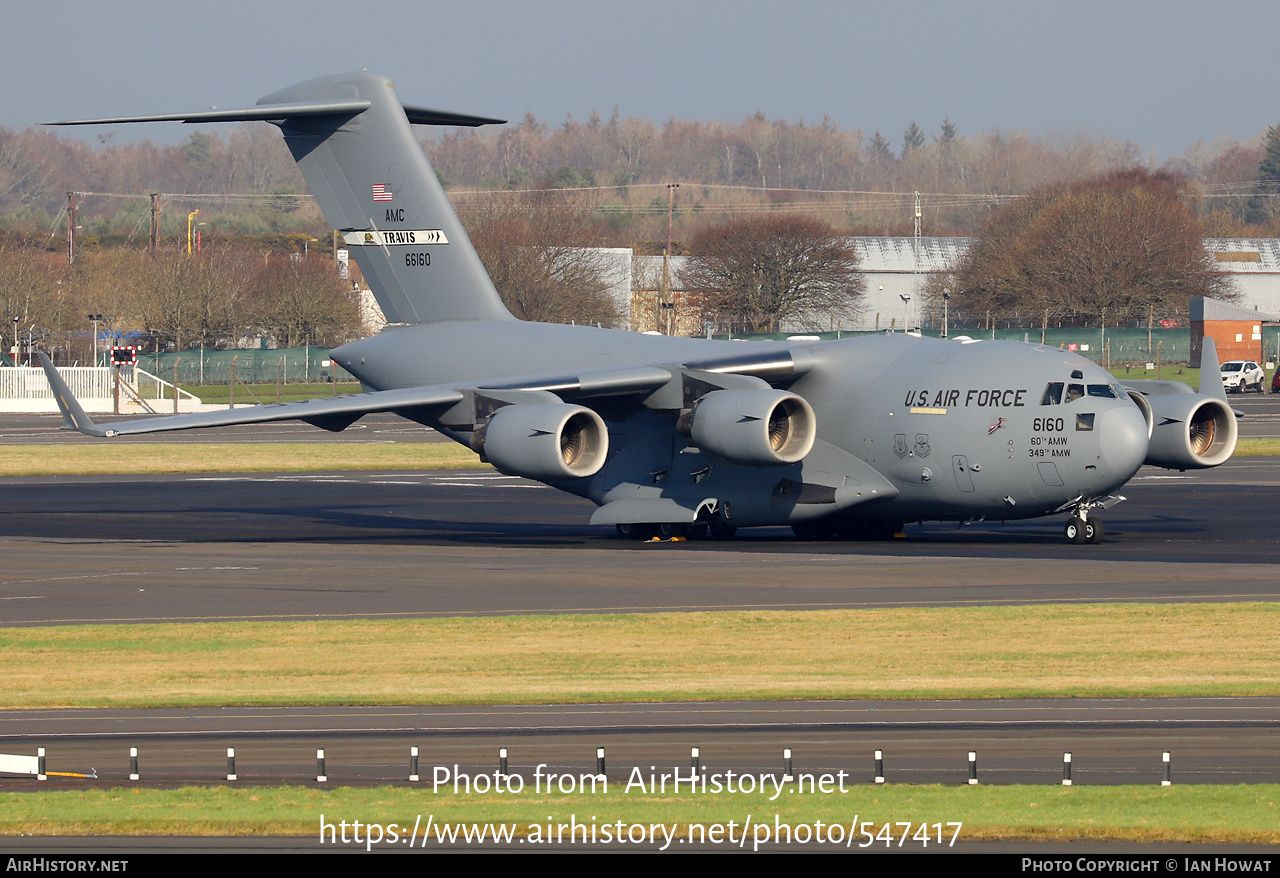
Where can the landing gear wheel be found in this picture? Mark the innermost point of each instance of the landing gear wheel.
(721, 531)
(665, 530)
(1075, 530)
(635, 531)
(1094, 531)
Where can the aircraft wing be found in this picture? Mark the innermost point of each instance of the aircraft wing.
(332, 414)
(337, 413)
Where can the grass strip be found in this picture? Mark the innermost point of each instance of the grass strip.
(1039, 813)
(1257, 447)
(138, 458)
(220, 394)
(1102, 650)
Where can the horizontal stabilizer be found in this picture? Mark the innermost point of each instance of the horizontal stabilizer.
(293, 110)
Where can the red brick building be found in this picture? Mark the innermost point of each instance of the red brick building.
(1239, 333)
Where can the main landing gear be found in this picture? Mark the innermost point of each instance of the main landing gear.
(1082, 529)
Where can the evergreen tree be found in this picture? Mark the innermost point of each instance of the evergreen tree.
(912, 139)
(949, 130)
(1262, 207)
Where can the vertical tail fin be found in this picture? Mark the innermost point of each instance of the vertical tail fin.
(350, 136)
(374, 184)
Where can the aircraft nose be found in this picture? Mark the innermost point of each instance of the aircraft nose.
(1124, 440)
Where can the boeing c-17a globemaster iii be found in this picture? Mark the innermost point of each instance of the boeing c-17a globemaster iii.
(837, 439)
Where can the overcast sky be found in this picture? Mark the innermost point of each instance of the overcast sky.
(1164, 75)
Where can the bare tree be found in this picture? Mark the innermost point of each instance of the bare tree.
(1106, 249)
(536, 249)
(303, 300)
(762, 271)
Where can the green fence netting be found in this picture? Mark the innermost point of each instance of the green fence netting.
(209, 366)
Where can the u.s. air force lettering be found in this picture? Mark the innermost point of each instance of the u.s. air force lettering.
(395, 237)
(995, 397)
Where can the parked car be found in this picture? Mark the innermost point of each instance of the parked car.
(1241, 375)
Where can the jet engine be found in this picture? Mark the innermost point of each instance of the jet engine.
(751, 427)
(1191, 432)
(549, 442)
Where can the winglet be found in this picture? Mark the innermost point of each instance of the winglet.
(1209, 366)
(73, 416)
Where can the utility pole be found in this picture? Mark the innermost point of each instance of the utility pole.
(667, 304)
(916, 279)
(155, 223)
(72, 219)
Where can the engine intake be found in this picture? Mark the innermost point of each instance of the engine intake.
(751, 427)
(548, 442)
(1191, 432)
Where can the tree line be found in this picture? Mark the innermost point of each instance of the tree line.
(860, 183)
(219, 298)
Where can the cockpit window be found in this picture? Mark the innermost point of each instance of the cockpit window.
(1074, 392)
(1102, 391)
(1052, 393)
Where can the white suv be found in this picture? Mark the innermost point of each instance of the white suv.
(1241, 375)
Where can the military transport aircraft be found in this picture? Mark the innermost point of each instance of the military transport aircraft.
(837, 439)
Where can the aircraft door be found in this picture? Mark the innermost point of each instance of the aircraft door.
(960, 466)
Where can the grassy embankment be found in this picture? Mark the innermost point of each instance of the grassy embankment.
(1111, 650)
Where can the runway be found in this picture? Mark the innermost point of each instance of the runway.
(187, 548)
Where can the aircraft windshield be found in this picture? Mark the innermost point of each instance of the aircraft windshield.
(1052, 393)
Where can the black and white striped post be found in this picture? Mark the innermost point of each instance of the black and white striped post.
(413, 764)
(321, 777)
(879, 766)
(600, 763)
(40, 770)
(1168, 777)
(787, 776)
(502, 760)
(1066, 769)
(695, 761)
(973, 768)
(231, 763)
(133, 763)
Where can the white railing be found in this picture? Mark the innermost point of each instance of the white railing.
(25, 389)
(28, 382)
(155, 388)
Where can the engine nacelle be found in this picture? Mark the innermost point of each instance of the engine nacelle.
(751, 427)
(549, 442)
(1191, 432)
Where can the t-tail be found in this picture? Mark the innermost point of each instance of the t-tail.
(352, 139)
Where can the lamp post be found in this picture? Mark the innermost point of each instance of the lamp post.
(95, 318)
(946, 300)
(906, 311)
